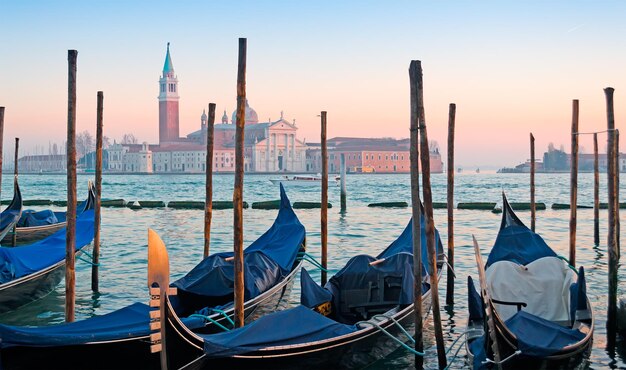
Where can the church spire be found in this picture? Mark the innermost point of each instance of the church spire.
(168, 67)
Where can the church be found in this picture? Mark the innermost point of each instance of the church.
(270, 146)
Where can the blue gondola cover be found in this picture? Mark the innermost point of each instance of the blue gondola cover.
(32, 218)
(22, 261)
(538, 337)
(300, 323)
(311, 294)
(266, 261)
(128, 322)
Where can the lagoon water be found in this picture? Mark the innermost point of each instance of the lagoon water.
(360, 230)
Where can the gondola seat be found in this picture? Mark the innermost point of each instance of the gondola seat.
(534, 285)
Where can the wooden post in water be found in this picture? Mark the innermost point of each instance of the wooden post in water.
(208, 204)
(15, 173)
(617, 171)
(533, 207)
(415, 74)
(611, 322)
(70, 230)
(1, 144)
(324, 205)
(97, 206)
(343, 181)
(430, 225)
(596, 192)
(238, 192)
(573, 185)
(450, 203)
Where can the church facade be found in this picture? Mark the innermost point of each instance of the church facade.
(270, 146)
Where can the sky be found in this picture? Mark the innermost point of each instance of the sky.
(511, 67)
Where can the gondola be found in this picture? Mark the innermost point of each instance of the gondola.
(10, 216)
(36, 225)
(31, 272)
(121, 339)
(533, 310)
(337, 326)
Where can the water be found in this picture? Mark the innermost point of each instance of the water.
(359, 230)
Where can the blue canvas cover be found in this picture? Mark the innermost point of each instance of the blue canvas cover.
(18, 262)
(578, 294)
(311, 294)
(537, 337)
(404, 244)
(293, 326)
(474, 301)
(515, 242)
(128, 322)
(37, 218)
(266, 262)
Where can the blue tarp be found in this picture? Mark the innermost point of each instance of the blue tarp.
(404, 244)
(294, 326)
(266, 262)
(578, 294)
(311, 294)
(21, 261)
(128, 322)
(516, 242)
(37, 218)
(537, 337)
(474, 301)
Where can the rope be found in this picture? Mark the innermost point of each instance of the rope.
(596, 132)
(308, 258)
(208, 319)
(568, 265)
(397, 340)
(397, 324)
(490, 361)
(80, 257)
(223, 313)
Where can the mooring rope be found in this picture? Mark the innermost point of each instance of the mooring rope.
(490, 361)
(208, 319)
(80, 257)
(308, 258)
(397, 340)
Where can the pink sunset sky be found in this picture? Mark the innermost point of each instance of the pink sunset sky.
(511, 67)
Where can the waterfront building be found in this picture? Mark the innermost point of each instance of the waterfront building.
(373, 155)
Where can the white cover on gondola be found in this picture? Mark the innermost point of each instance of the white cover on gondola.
(542, 284)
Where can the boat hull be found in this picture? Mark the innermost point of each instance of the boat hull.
(570, 357)
(20, 292)
(28, 235)
(130, 353)
(350, 351)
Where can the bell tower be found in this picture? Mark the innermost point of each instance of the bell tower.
(168, 102)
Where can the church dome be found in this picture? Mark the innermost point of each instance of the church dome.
(251, 116)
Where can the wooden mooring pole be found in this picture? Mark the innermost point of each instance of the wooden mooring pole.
(533, 206)
(15, 173)
(1, 145)
(430, 225)
(70, 231)
(611, 322)
(97, 206)
(596, 191)
(343, 181)
(238, 192)
(415, 74)
(450, 205)
(208, 204)
(617, 171)
(573, 185)
(324, 205)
